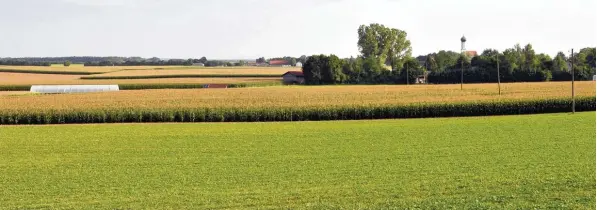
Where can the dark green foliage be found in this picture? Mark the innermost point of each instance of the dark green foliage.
(48, 72)
(116, 115)
(15, 87)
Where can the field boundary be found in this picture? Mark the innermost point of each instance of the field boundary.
(49, 72)
(183, 76)
(128, 115)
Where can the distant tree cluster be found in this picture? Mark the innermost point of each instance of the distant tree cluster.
(517, 64)
(385, 59)
(18, 62)
(324, 69)
(114, 61)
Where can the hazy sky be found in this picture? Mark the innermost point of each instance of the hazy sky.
(247, 29)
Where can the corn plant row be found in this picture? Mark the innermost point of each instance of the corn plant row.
(115, 115)
(47, 72)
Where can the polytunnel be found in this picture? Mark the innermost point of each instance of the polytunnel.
(73, 88)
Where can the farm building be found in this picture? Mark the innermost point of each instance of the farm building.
(198, 64)
(422, 79)
(282, 63)
(293, 77)
(471, 53)
(299, 64)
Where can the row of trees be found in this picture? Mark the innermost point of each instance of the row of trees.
(114, 61)
(517, 64)
(324, 69)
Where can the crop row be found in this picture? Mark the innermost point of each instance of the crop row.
(115, 115)
(47, 72)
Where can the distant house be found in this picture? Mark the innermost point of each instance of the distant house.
(215, 86)
(293, 77)
(422, 79)
(299, 64)
(198, 64)
(282, 63)
(471, 54)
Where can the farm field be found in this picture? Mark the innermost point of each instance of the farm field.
(129, 70)
(211, 71)
(295, 96)
(56, 79)
(510, 162)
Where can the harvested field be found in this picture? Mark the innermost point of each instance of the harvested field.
(312, 96)
(210, 71)
(56, 79)
(13, 93)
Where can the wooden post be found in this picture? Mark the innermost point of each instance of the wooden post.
(407, 82)
(462, 74)
(498, 73)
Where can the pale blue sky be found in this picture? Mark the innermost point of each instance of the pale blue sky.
(247, 29)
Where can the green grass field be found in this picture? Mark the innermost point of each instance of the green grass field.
(509, 162)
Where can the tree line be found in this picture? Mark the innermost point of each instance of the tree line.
(516, 64)
(385, 58)
(114, 61)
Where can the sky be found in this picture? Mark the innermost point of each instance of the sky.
(248, 29)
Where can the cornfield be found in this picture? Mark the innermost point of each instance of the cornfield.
(281, 103)
(115, 115)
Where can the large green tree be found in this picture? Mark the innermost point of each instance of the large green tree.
(387, 45)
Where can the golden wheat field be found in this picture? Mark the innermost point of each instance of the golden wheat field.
(294, 96)
(57, 79)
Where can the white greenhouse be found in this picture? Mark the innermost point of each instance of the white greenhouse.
(72, 88)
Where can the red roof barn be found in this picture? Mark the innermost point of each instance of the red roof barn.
(293, 77)
(278, 62)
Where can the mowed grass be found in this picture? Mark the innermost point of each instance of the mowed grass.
(513, 162)
(295, 96)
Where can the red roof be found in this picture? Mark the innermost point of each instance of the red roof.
(295, 73)
(471, 53)
(217, 86)
(278, 62)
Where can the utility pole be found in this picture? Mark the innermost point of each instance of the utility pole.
(498, 73)
(573, 99)
(407, 82)
(462, 74)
